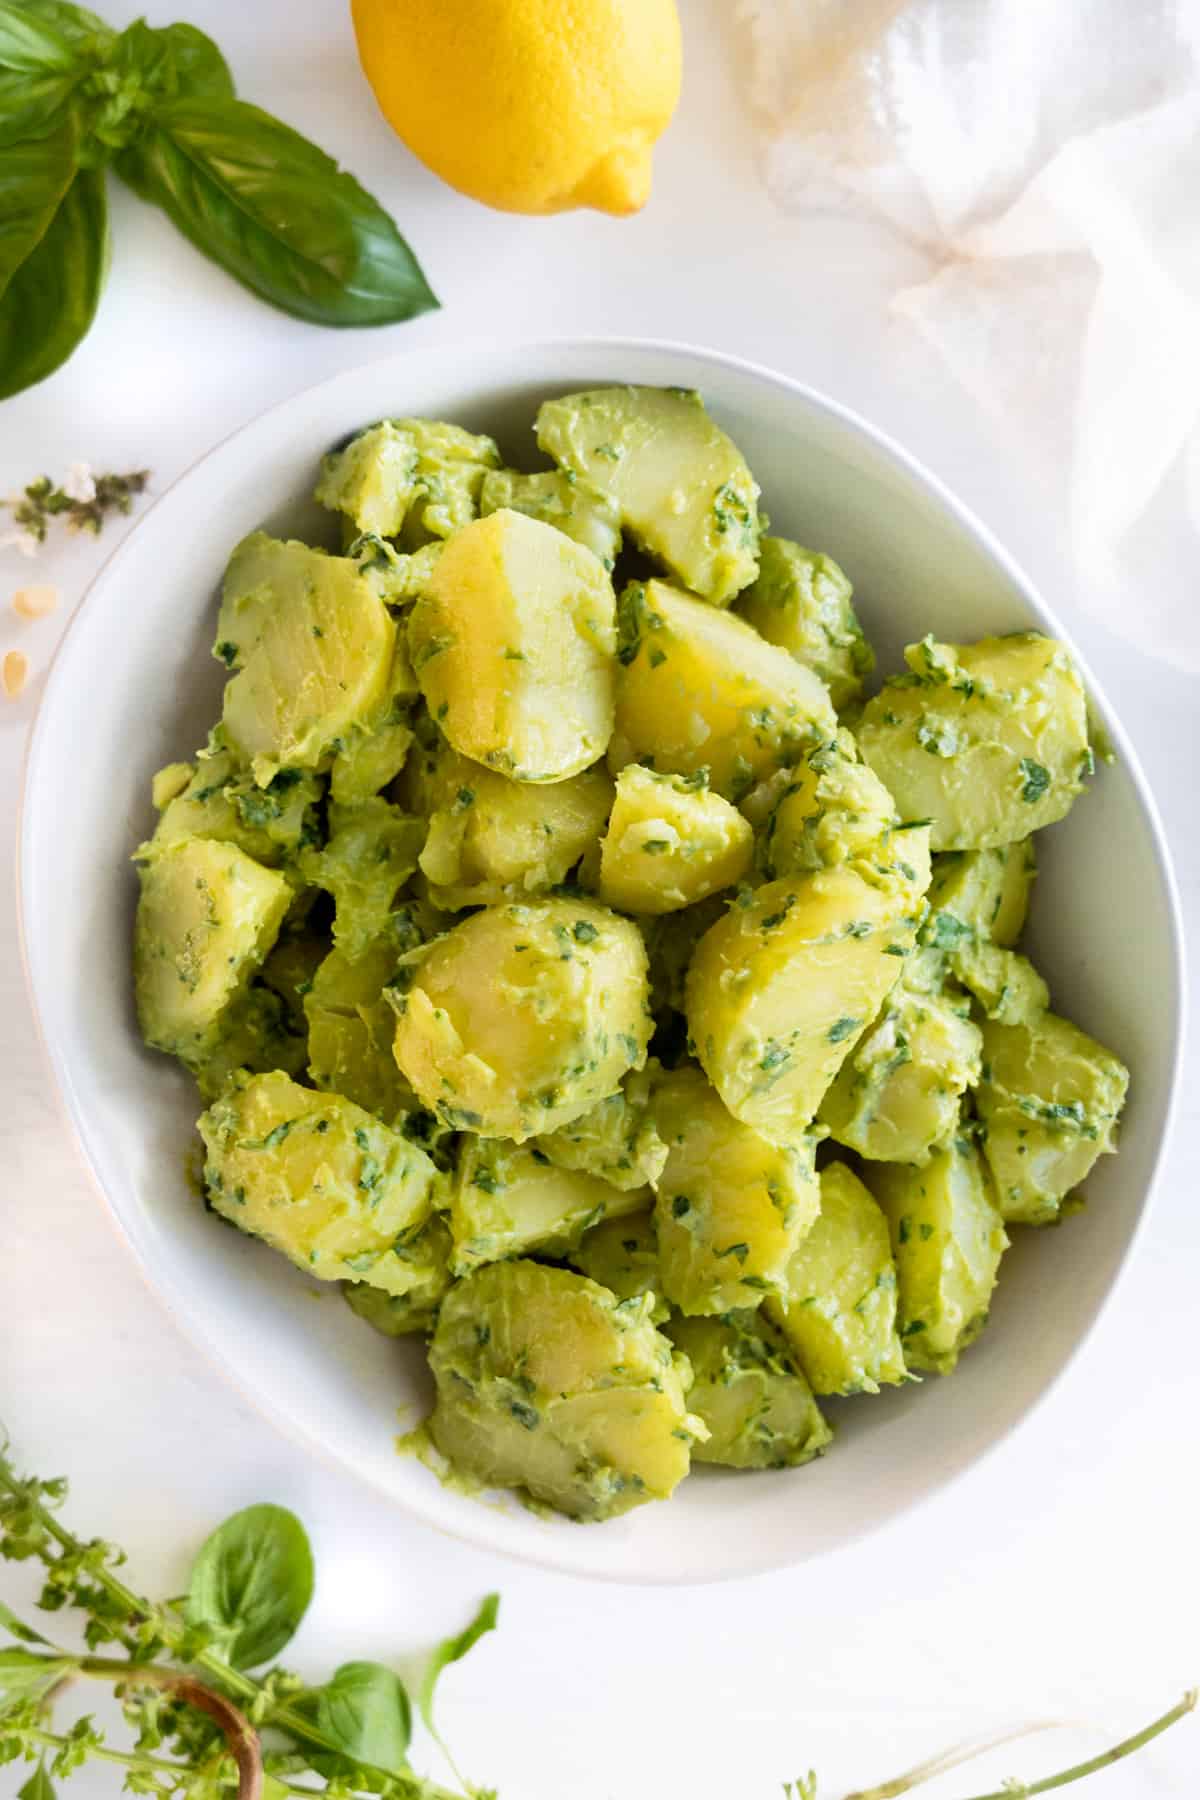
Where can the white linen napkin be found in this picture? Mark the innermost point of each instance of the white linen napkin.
(1045, 154)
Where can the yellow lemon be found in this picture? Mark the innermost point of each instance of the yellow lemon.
(530, 105)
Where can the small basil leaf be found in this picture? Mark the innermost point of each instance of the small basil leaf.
(364, 1710)
(48, 307)
(34, 176)
(173, 61)
(277, 213)
(81, 29)
(38, 1787)
(453, 1650)
(32, 43)
(252, 1583)
(17, 1627)
(27, 1674)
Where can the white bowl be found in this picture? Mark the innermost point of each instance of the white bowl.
(134, 687)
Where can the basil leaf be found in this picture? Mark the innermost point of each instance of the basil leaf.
(17, 1627)
(252, 1583)
(48, 307)
(27, 1674)
(453, 1650)
(34, 176)
(79, 27)
(173, 61)
(46, 51)
(364, 1710)
(31, 44)
(38, 1787)
(277, 213)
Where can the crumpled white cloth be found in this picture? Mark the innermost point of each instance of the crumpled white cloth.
(1046, 155)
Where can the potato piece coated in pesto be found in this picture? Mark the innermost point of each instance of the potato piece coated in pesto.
(980, 893)
(219, 800)
(492, 839)
(750, 1392)
(351, 1025)
(947, 1239)
(831, 808)
(616, 1139)
(897, 1094)
(507, 1199)
(839, 1310)
(1049, 1103)
(411, 478)
(371, 852)
(317, 1178)
(426, 1257)
(780, 989)
(682, 486)
(987, 741)
(670, 843)
(731, 1207)
(801, 601)
(1006, 985)
(513, 641)
(558, 498)
(521, 1018)
(313, 648)
(207, 916)
(698, 689)
(622, 1255)
(545, 1381)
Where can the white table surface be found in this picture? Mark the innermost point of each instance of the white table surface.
(1061, 1577)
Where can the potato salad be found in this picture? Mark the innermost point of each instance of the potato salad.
(592, 971)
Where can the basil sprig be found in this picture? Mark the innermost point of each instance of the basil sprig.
(159, 106)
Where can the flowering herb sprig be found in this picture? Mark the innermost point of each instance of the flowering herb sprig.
(82, 500)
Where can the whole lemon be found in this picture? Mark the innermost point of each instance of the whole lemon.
(533, 106)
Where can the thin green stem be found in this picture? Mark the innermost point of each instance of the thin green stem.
(1105, 1760)
(941, 1765)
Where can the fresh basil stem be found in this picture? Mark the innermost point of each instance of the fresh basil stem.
(159, 104)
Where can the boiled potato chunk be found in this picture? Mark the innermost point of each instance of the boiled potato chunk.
(670, 843)
(256, 1035)
(508, 1199)
(426, 1257)
(987, 741)
(452, 465)
(683, 487)
(617, 1139)
(523, 1017)
(838, 1312)
(731, 1207)
(750, 1392)
(351, 1025)
(372, 850)
(1049, 1103)
(513, 642)
(373, 480)
(374, 753)
(1005, 983)
(313, 647)
(831, 808)
(546, 1381)
(801, 601)
(207, 916)
(780, 989)
(698, 689)
(947, 1240)
(622, 1255)
(558, 498)
(896, 1096)
(217, 799)
(980, 893)
(491, 838)
(317, 1178)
